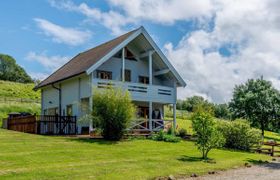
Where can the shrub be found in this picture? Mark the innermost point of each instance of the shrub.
(112, 112)
(182, 132)
(239, 134)
(162, 136)
(208, 137)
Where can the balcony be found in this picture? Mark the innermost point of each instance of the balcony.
(141, 92)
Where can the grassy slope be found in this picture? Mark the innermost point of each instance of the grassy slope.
(17, 90)
(26, 156)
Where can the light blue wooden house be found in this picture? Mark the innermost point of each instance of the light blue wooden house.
(133, 62)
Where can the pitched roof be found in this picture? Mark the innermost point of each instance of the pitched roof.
(83, 61)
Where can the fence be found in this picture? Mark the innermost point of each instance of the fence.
(20, 100)
(44, 124)
(269, 149)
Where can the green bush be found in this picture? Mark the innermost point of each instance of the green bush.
(112, 112)
(162, 136)
(182, 132)
(208, 137)
(239, 134)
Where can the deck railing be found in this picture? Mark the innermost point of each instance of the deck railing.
(140, 91)
(144, 125)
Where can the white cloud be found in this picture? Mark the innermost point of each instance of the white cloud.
(247, 30)
(51, 63)
(251, 28)
(61, 34)
(133, 13)
(38, 75)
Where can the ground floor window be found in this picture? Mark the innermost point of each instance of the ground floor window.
(69, 110)
(51, 111)
(85, 106)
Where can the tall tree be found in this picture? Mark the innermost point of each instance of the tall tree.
(11, 71)
(258, 101)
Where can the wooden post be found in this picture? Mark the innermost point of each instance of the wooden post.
(123, 65)
(174, 116)
(150, 115)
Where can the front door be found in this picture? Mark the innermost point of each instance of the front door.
(143, 113)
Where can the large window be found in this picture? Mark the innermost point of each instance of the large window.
(104, 74)
(144, 79)
(69, 110)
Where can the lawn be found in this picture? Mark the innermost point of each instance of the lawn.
(26, 156)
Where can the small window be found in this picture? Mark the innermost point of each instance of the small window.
(104, 74)
(52, 111)
(69, 110)
(84, 106)
(144, 79)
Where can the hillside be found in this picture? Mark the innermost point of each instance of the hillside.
(18, 90)
(18, 97)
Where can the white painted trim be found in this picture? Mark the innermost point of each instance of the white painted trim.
(163, 57)
(150, 67)
(160, 72)
(123, 65)
(114, 51)
(128, 40)
(147, 53)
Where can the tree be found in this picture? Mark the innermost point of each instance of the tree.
(222, 111)
(10, 71)
(208, 137)
(191, 103)
(257, 101)
(112, 112)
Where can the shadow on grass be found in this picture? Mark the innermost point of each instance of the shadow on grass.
(266, 164)
(95, 141)
(189, 159)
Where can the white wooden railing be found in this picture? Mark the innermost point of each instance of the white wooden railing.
(144, 125)
(141, 92)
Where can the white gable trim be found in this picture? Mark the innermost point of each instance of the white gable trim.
(114, 51)
(128, 40)
(163, 57)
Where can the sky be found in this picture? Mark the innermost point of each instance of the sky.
(213, 44)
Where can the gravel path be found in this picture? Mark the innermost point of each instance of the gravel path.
(269, 171)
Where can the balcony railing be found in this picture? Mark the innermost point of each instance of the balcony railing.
(141, 92)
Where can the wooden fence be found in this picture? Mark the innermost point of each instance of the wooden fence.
(44, 124)
(269, 149)
(23, 124)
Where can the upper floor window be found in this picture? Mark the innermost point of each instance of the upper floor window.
(127, 75)
(104, 74)
(144, 79)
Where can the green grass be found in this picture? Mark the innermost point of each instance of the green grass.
(18, 107)
(18, 90)
(26, 156)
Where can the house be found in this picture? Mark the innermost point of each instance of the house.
(131, 61)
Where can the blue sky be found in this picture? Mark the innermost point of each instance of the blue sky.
(214, 44)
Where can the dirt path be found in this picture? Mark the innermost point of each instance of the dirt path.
(270, 171)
